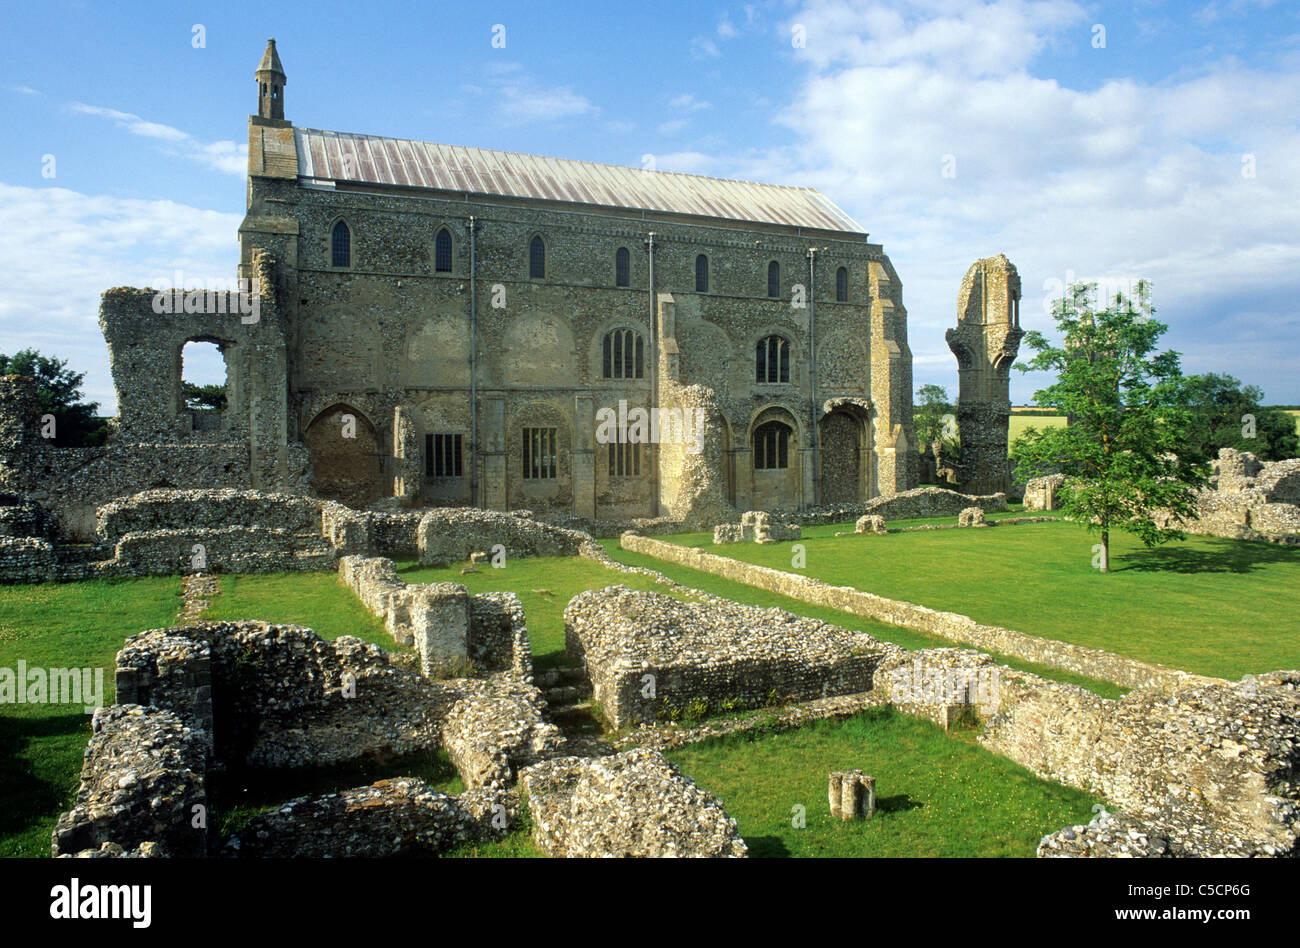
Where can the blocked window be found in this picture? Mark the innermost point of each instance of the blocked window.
(774, 279)
(536, 259)
(701, 274)
(442, 252)
(772, 360)
(624, 459)
(443, 454)
(622, 267)
(341, 245)
(771, 446)
(539, 453)
(841, 285)
(623, 355)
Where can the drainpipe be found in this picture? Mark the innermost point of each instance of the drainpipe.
(473, 370)
(812, 373)
(654, 368)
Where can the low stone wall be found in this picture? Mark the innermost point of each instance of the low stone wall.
(630, 804)
(143, 781)
(210, 509)
(495, 729)
(1215, 768)
(391, 818)
(652, 657)
(26, 560)
(370, 533)
(919, 502)
(1094, 663)
(236, 549)
(446, 625)
(450, 535)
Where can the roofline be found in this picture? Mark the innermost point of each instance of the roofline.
(341, 185)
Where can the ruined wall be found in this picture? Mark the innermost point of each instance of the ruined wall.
(985, 342)
(707, 658)
(1248, 499)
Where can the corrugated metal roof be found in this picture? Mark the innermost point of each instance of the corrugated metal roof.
(343, 157)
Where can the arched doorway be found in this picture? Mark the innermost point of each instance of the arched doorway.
(841, 435)
(345, 459)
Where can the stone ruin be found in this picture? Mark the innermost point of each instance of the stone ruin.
(1041, 492)
(972, 517)
(198, 701)
(756, 526)
(1247, 499)
(870, 523)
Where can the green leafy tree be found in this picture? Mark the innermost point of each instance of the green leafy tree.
(935, 418)
(1227, 414)
(1124, 454)
(204, 397)
(58, 390)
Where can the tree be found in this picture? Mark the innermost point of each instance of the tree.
(1230, 415)
(1125, 452)
(204, 397)
(935, 418)
(58, 391)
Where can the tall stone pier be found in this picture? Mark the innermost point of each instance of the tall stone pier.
(985, 343)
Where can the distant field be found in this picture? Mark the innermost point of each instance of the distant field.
(1295, 413)
(1022, 419)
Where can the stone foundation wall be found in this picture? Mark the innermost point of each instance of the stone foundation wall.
(920, 502)
(450, 535)
(1094, 663)
(652, 657)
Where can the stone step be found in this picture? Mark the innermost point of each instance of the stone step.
(560, 695)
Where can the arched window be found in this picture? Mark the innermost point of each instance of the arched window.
(841, 285)
(622, 267)
(771, 446)
(442, 252)
(536, 259)
(772, 360)
(701, 274)
(341, 245)
(623, 355)
(774, 279)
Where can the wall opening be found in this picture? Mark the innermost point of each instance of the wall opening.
(204, 384)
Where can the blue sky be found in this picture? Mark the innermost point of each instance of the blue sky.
(1075, 159)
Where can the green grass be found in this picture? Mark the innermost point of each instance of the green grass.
(544, 586)
(939, 794)
(69, 625)
(1022, 421)
(316, 600)
(1207, 605)
(899, 635)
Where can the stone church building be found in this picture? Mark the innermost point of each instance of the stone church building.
(446, 325)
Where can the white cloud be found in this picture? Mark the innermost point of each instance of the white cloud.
(674, 125)
(62, 249)
(1124, 179)
(686, 102)
(704, 48)
(228, 157)
(526, 102)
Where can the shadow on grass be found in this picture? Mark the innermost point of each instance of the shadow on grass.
(26, 798)
(767, 847)
(1227, 556)
(899, 803)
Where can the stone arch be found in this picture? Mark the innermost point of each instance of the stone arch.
(798, 352)
(328, 242)
(346, 459)
(844, 438)
(776, 487)
(595, 351)
(553, 492)
(437, 351)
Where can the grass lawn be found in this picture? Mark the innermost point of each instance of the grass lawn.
(68, 625)
(1207, 605)
(318, 601)
(899, 635)
(939, 794)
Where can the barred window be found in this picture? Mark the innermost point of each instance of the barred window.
(341, 245)
(701, 274)
(623, 355)
(442, 252)
(841, 285)
(536, 259)
(771, 446)
(624, 459)
(539, 453)
(622, 267)
(442, 455)
(774, 279)
(772, 360)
